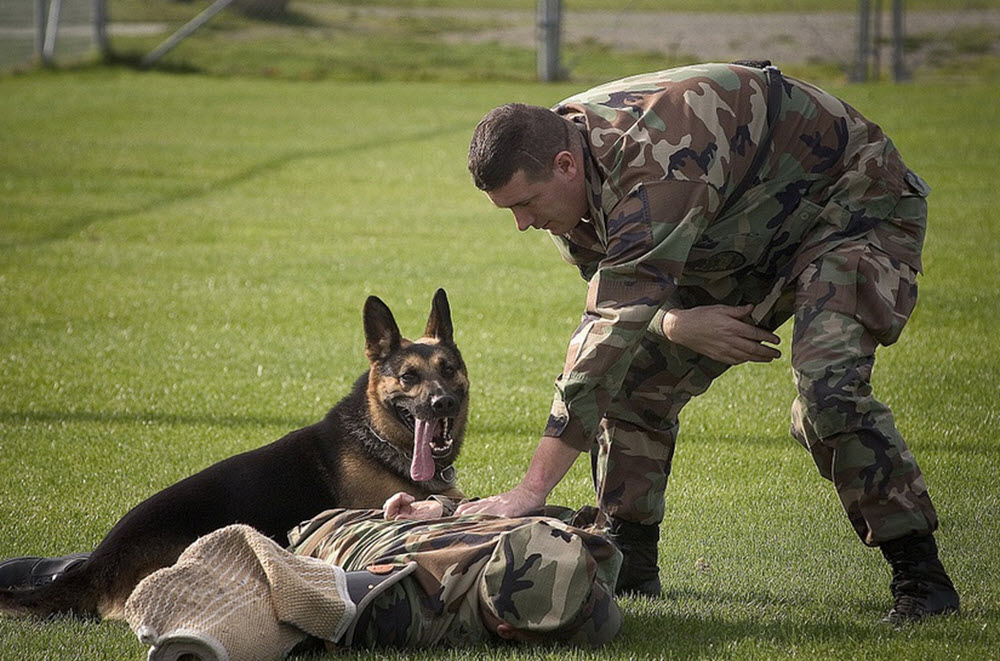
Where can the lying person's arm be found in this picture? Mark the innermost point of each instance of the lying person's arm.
(404, 506)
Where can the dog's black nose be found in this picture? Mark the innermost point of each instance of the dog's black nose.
(444, 405)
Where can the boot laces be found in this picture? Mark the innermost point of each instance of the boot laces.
(908, 606)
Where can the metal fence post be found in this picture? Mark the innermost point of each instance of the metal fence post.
(40, 21)
(549, 28)
(876, 48)
(51, 31)
(899, 72)
(861, 64)
(186, 31)
(101, 27)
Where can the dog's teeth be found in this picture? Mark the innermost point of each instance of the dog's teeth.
(441, 446)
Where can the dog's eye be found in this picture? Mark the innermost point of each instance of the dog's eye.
(409, 378)
(447, 371)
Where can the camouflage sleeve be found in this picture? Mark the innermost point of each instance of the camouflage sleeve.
(650, 233)
(448, 504)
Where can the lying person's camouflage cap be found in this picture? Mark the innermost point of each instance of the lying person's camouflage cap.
(542, 579)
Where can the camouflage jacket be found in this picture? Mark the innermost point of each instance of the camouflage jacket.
(663, 153)
(451, 554)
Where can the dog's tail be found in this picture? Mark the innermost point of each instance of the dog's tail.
(75, 592)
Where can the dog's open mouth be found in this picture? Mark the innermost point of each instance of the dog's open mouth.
(432, 440)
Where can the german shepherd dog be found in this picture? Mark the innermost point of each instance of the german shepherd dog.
(399, 429)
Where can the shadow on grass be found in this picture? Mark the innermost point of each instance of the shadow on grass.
(70, 226)
(152, 417)
(788, 623)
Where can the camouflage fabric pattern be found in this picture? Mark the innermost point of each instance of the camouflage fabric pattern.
(467, 563)
(844, 305)
(635, 443)
(543, 579)
(847, 303)
(663, 150)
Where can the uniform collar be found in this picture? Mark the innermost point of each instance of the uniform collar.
(593, 227)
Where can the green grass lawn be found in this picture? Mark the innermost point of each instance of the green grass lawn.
(183, 262)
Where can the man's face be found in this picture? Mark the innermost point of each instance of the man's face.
(555, 204)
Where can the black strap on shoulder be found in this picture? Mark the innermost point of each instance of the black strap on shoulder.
(363, 586)
(775, 87)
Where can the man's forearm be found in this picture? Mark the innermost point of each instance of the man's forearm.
(549, 464)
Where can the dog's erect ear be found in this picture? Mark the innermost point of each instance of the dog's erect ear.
(439, 323)
(382, 335)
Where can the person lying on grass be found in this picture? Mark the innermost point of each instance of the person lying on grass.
(413, 575)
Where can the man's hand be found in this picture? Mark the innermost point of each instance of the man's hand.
(404, 506)
(515, 502)
(550, 462)
(721, 332)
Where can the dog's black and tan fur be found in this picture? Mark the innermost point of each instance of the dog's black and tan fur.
(357, 456)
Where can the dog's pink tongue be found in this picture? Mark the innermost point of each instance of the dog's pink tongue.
(422, 467)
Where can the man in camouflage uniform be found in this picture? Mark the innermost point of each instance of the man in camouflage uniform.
(458, 581)
(705, 206)
(412, 576)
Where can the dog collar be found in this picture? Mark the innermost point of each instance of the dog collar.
(447, 474)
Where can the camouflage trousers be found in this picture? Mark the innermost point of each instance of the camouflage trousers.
(844, 305)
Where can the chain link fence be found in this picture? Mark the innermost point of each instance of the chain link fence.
(342, 39)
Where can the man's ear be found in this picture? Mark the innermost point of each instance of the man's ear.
(566, 164)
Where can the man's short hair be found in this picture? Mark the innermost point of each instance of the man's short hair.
(516, 137)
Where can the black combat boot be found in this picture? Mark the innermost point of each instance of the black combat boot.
(639, 575)
(920, 586)
(33, 572)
